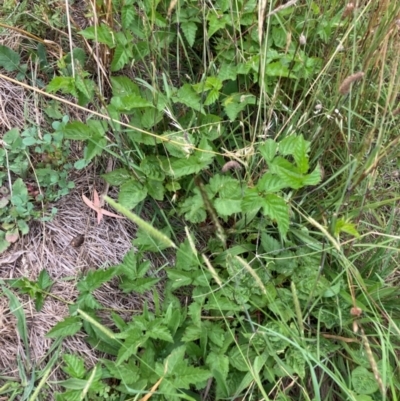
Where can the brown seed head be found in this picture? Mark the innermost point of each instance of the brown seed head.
(344, 88)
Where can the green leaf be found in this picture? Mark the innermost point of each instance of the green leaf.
(139, 285)
(155, 189)
(131, 194)
(158, 331)
(363, 381)
(95, 279)
(44, 281)
(122, 86)
(218, 363)
(270, 183)
(77, 131)
(217, 22)
(276, 208)
(189, 30)
(227, 72)
(63, 84)
(9, 59)
(129, 102)
(179, 278)
(150, 166)
(128, 15)
(287, 172)
(121, 57)
(67, 327)
(251, 201)
(268, 149)
(187, 96)
(314, 178)
(117, 177)
(148, 243)
(227, 207)
(102, 34)
(75, 366)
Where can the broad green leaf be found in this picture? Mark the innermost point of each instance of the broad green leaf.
(179, 278)
(251, 201)
(268, 149)
(218, 363)
(121, 57)
(276, 208)
(129, 102)
(288, 173)
(313, 178)
(134, 339)
(95, 146)
(155, 189)
(73, 384)
(9, 59)
(149, 243)
(150, 167)
(363, 381)
(277, 69)
(212, 97)
(227, 207)
(131, 194)
(227, 72)
(128, 15)
(345, 226)
(187, 96)
(77, 131)
(270, 183)
(63, 84)
(44, 280)
(139, 285)
(158, 331)
(67, 327)
(122, 86)
(75, 366)
(117, 177)
(101, 33)
(217, 22)
(192, 333)
(189, 30)
(95, 278)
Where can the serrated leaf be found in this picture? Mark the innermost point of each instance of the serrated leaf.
(227, 207)
(63, 84)
(155, 189)
(128, 14)
(102, 34)
(77, 131)
(179, 278)
(122, 86)
(270, 183)
(313, 178)
(139, 285)
(288, 173)
(44, 280)
(227, 72)
(268, 149)
(117, 177)
(218, 363)
(363, 381)
(150, 166)
(217, 22)
(129, 102)
(68, 327)
(75, 366)
(212, 97)
(9, 59)
(251, 201)
(189, 30)
(158, 331)
(121, 58)
(276, 208)
(131, 194)
(187, 96)
(95, 279)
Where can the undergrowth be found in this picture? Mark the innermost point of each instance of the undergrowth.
(262, 128)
